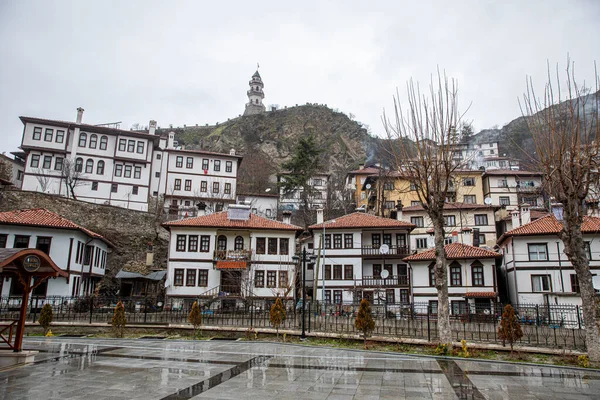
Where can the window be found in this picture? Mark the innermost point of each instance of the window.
(21, 242)
(348, 240)
(82, 139)
(376, 240)
(48, 135)
(205, 164)
(157, 174)
(137, 172)
(228, 166)
(238, 243)
(540, 283)
(227, 189)
(3, 241)
(260, 245)
(283, 279)
(477, 275)
(35, 160)
(122, 144)
(180, 244)
(459, 307)
(178, 279)
(114, 188)
(337, 296)
(188, 185)
(89, 166)
(204, 243)
(259, 279)
(192, 243)
(455, 274)
(376, 270)
(413, 186)
(389, 205)
(481, 219)
(538, 251)
(574, 283)
(337, 272)
(327, 274)
(337, 241)
(387, 239)
(217, 165)
(177, 184)
(482, 239)
(118, 169)
(268, 213)
(215, 187)
(348, 272)
(203, 186)
(189, 162)
(271, 279)
(400, 240)
(421, 243)
(414, 203)
(390, 296)
(284, 246)
(418, 221)
(190, 278)
(19, 175)
(79, 164)
(47, 162)
(203, 277)
(449, 220)
(388, 186)
(469, 199)
(468, 181)
(43, 244)
(502, 183)
(103, 142)
(140, 147)
(328, 296)
(93, 141)
(130, 146)
(94, 186)
(504, 201)
(404, 296)
(100, 168)
(272, 246)
(37, 133)
(327, 242)
(127, 173)
(158, 156)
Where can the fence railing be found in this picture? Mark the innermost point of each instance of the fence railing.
(559, 326)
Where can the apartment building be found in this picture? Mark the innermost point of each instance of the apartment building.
(509, 188)
(294, 200)
(14, 168)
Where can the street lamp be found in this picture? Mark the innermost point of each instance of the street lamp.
(296, 259)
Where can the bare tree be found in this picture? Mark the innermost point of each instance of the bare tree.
(565, 130)
(421, 139)
(43, 179)
(71, 175)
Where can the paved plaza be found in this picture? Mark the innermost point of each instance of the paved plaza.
(77, 368)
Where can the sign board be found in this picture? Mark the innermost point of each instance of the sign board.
(32, 263)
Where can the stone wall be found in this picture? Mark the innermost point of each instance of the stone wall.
(129, 230)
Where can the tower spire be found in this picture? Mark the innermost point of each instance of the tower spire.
(255, 95)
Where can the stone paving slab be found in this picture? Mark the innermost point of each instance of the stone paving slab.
(77, 368)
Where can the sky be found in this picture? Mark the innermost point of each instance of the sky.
(189, 62)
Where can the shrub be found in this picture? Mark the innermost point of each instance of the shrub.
(443, 349)
(464, 349)
(277, 315)
(195, 318)
(509, 329)
(583, 361)
(49, 333)
(45, 318)
(364, 320)
(118, 320)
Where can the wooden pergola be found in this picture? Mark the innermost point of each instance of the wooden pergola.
(31, 267)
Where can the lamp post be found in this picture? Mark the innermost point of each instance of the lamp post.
(303, 335)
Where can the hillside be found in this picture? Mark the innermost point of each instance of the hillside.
(267, 140)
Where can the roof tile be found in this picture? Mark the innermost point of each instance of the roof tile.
(549, 225)
(221, 220)
(455, 251)
(362, 220)
(455, 206)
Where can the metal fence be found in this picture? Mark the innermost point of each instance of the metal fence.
(559, 326)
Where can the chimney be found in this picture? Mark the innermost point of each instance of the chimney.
(201, 208)
(232, 152)
(361, 166)
(525, 214)
(149, 255)
(79, 115)
(171, 141)
(515, 219)
(319, 216)
(466, 235)
(287, 217)
(152, 127)
(399, 208)
(557, 210)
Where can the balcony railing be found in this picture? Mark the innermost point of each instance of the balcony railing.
(527, 189)
(232, 255)
(390, 281)
(393, 251)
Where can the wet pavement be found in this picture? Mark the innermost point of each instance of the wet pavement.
(77, 368)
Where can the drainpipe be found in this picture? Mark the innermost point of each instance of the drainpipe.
(562, 281)
(512, 243)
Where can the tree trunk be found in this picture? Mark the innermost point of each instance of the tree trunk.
(441, 281)
(572, 238)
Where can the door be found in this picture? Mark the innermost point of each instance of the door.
(231, 282)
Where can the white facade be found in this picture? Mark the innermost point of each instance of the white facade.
(262, 205)
(255, 96)
(83, 257)
(17, 167)
(293, 200)
(510, 188)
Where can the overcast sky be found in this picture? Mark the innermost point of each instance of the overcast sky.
(190, 62)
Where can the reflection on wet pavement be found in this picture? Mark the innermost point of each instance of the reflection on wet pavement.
(72, 368)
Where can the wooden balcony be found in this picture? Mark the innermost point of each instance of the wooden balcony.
(232, 255)
(394, 251)
(390, 281)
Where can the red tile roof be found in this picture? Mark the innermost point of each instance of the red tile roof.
(362, 220)
(455, 251)
(221, 220)
(367, 170)
(455, 206)
(503, 172)
(549, 225)
(534, 214)
(45, 218)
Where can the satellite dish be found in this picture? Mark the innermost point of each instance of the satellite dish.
(368, 186)
(267, 190)
(488, 201)
(384, 249)
(385, 273)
